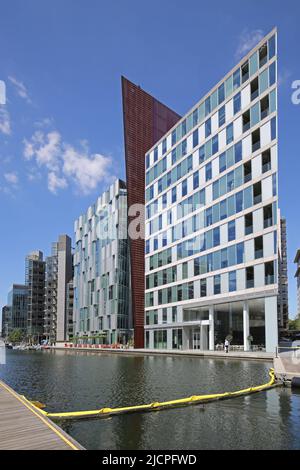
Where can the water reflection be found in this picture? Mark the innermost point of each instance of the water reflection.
(76, 380)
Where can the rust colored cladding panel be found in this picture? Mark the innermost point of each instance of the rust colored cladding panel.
(146, 120)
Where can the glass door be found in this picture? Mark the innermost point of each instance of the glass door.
(196, 338)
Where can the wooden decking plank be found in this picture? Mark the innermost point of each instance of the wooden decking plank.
(22, 427)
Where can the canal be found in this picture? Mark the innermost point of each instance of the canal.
(66, 380)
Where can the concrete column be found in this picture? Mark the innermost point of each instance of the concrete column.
(202, 331)
(271, 325)
(211, 329)
(185, 338)
(246, 325)
(169, 338)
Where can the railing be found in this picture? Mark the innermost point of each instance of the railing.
(294, 350)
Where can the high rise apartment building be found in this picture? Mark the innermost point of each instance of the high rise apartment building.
(101, 270)
(14, 314)
(59, 272)
(212, 224)
(283, 301)
(35, 282)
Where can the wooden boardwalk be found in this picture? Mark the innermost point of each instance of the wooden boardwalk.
(23, 427)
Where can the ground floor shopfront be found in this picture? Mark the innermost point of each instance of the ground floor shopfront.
(248, 324)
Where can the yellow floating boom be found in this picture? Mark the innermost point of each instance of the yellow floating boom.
(155, 406)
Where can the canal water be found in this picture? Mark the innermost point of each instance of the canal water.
(66, 381)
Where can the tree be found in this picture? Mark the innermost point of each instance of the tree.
(16, 336)
(294, 324)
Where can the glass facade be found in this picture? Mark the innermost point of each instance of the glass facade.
(101, 271)
(211, 210)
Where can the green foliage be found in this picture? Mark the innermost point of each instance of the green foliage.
(294, 324)
(16, 336)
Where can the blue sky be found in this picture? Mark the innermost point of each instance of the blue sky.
(61, 131)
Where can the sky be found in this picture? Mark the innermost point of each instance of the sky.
(61, 130)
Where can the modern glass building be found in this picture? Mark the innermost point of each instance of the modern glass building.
(212, 218)
(17, 301)
(102, 312)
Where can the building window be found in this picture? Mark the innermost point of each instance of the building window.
(237, 103)
(255, 140)
(269, 273)
(184, 188)
(147, 161)
(245, 72)
(174, 195)
(263, 55)
(247, 171)
(207, 106)
(273, 128)
(236, 79)
(164, 315)
(257, 193)
(174, 314)
(222, 117)
(208, 172)
(229, 133)
(249, 277)
(232, 281)
(231, 230)
(173, 137)
(195, 138)
(268, 216)
(207, 128)
(221, 93)
(264, 107)
(238, 152)
(246, 120)
(201, 154)
(203, 287)
(215, 144)
(266, 161)
(222, 162)
(254, 89)
(196, 180)
(216, 236)
(217, 284)
(248, 223)
(160, 339)
(272, 74)
(184, 270)
(258, 247)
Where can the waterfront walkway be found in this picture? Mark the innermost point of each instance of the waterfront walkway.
(23, 427)
(254, 355)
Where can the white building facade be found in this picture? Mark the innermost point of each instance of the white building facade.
(212, 217)
(101, 309)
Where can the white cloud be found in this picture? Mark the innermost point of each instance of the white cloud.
(20, 89)
(5, 126)
(11, 178)
(45, 148)
(86, 170)
(44, 123)
(65, 163)
(55, 182)
(247, 40)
